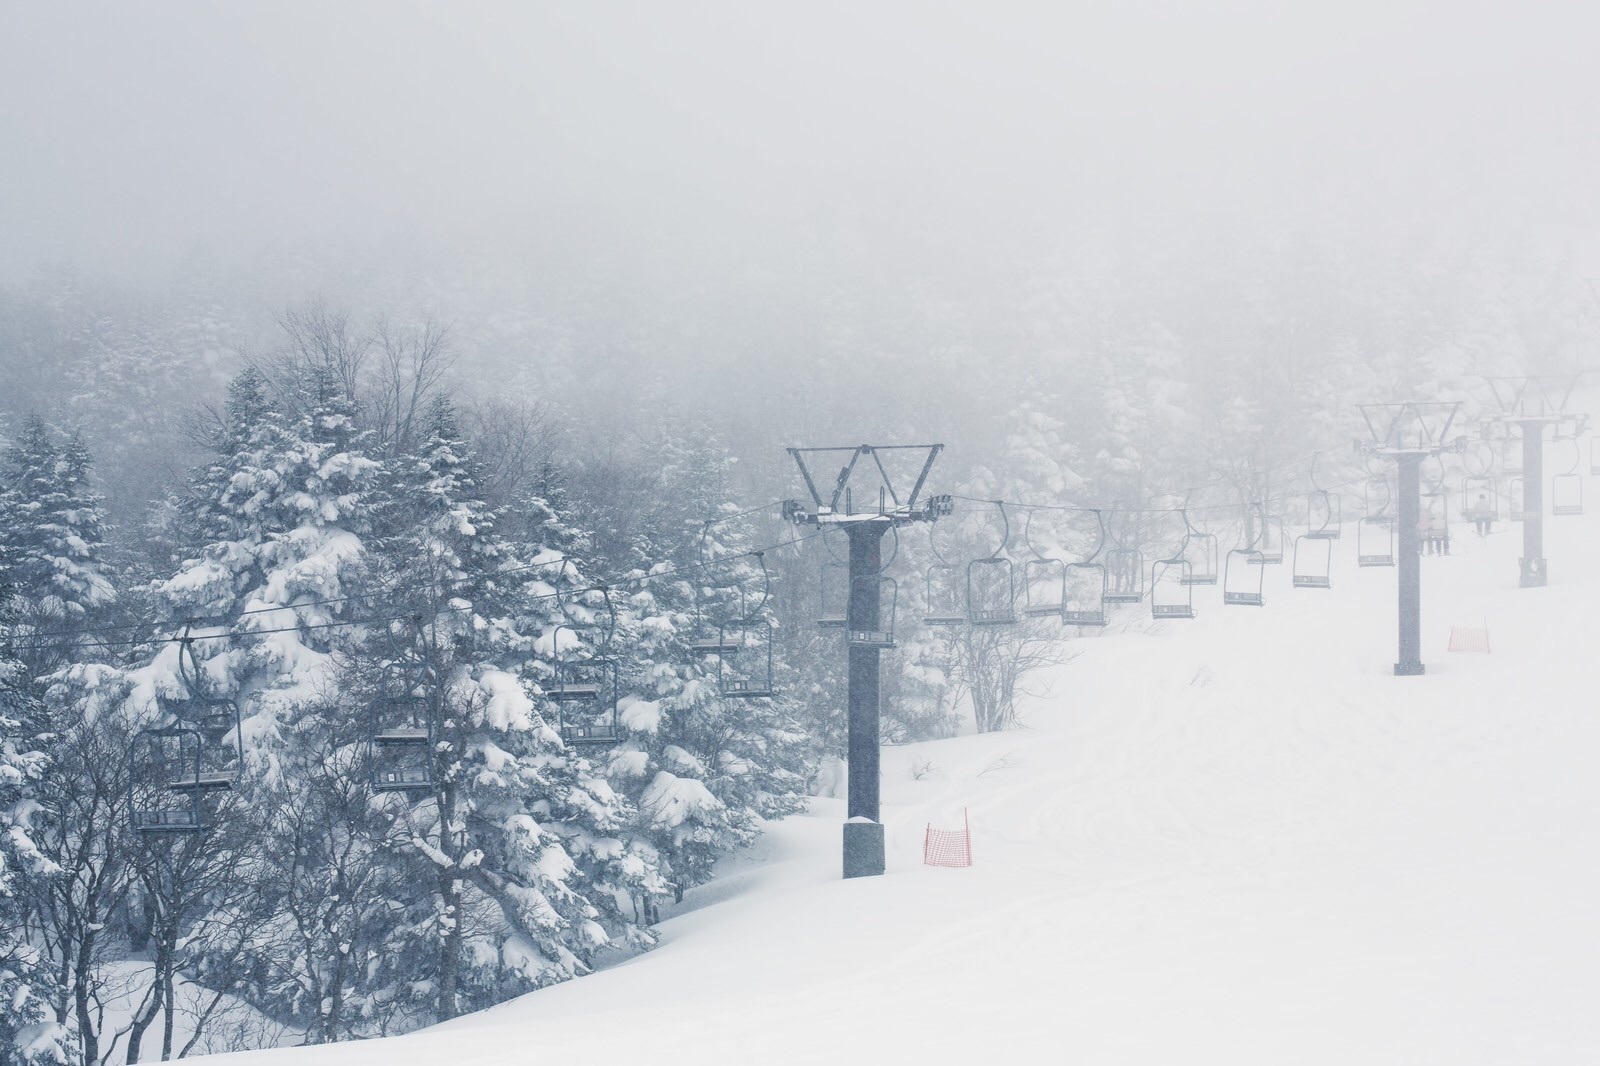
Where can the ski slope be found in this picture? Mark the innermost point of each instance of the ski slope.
(1233, 840)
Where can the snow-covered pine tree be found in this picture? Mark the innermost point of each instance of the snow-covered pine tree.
(53, 532)
(272, 569)
(507, 836)
(702, 768)
(29, 1030)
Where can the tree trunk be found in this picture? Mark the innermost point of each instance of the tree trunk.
(449, 943)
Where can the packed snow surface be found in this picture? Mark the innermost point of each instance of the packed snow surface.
(1232, 840)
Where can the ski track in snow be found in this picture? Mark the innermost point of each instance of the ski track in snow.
(1235, 840)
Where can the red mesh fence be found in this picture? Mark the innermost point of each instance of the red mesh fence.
(948, 847)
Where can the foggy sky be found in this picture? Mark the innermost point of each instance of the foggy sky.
(741, 133)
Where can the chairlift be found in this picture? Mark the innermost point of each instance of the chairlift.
(1322, 516)
(1044, 587)
(991, 592)
(212, 717)
(1199, 550)
(1243, 579)
(1269, 549)
(591, 680)
(1313, 561)
(400, 744)
(1171, 591)
(1323, 510)
(586, 692)
(709, 633)
(1480, 499)
(992, 583)
(867, 589)
(1566, 494)
(1044, 580)
(835, 609)
(944, 606)
(1083, 601)
(166, 781)
(1435, 505)
(747, 675)
(1124, 576)
(1201, 555)
(1375, 542)
(1377, 498)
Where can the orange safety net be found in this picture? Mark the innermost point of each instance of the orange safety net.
(948, 847)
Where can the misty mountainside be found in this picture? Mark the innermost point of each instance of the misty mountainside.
(415, 621)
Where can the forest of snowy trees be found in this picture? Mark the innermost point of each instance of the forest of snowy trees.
(332, 521)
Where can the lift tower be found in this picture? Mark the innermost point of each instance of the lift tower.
(1406, 434)
(1532, 403)
(864, 517)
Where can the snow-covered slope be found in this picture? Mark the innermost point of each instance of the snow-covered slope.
(1235, 840)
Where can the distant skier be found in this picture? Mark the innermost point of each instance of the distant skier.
(1483, 518)
(1425, 534)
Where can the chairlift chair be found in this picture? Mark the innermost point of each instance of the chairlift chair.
(1044, 587)
(1313, 560)
(711, 637)
(1435, 507)
(859, 634)
(713, 644)
(1566, 490)
(212, 716)
(1480, 499)
(1201, 555)
(216, 718)
(400, 752)
(1269, 550)
(1084, 597)
(1323, 516)
(1243, 579)
(1375, 542)
(943, 606)
(586, 691)
(1566, 494)
(1377, 498)
(1124, 576)
(748, 675)
(1171, 593)
(165, 781)
(1044, 579)
(834, 612)
(991, 592)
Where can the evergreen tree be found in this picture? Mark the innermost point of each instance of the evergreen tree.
(54, 529)
(523, 840)
(702, 768)
(29, 1030)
